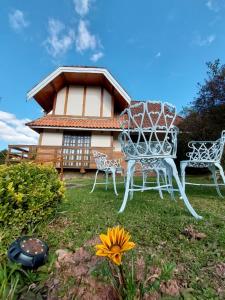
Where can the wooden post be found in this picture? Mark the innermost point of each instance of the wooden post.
(61, 164)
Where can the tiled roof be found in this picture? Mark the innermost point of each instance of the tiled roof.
(50, 121)
(92, 122)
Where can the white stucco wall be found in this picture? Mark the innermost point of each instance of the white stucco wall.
(50, 138)
(107, 104)
(60, 101)
(100, 139)
(116, 143)
(75, 100)
(93, 101)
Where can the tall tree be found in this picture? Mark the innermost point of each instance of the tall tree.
(205, 118)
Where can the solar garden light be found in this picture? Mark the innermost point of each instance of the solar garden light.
(30, 252)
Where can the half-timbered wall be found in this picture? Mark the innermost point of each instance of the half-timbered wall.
(55, 138)
(116, 143)
(84, 101)
(101, 139)
(51, 138)
(60, 102)
(75, 100)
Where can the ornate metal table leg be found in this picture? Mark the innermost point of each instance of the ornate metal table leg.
(130, 166)
(180, 187)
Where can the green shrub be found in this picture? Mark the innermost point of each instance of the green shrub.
(28, 194)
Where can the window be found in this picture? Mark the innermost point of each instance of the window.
(78, 152)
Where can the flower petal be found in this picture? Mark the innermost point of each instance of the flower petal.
(101, 253)
(117, 258)
(105, 240)
(128, 246)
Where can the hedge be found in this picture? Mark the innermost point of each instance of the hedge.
(29, 193)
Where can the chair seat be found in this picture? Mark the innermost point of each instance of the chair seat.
(153, 149)
(197, 163)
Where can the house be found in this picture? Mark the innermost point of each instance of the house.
(81, 106)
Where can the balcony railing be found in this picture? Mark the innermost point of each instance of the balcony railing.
(63, 157)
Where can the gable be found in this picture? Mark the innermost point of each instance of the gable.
(45, 91)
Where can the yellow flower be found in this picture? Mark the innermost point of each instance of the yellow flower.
(114, 243)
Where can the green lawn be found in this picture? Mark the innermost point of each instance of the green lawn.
(156, 227)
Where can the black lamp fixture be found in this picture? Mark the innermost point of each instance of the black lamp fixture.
(30, 252)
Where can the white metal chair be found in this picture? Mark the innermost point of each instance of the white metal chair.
(148, 134)
(205, 154)
(108, 167)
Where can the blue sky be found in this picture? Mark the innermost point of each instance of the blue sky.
(157, 49)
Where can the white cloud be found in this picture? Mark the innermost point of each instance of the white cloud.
(82, 7)
(204, 41)
(17, 20)
(213, 5)
(96, 56)
(59, 40)
(85, 40)
(13, 130)
(158, 55)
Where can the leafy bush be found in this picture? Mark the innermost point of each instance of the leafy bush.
(28, 194)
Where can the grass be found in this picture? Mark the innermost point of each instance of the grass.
(156, 226)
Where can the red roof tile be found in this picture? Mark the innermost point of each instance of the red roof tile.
(51, 121)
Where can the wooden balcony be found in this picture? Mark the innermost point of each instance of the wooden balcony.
(62, 157)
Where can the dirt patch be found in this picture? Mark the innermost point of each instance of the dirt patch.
(73, 279)
(75, 185)
(59, 224)
(193, 234)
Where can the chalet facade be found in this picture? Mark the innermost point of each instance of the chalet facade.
(81, 106)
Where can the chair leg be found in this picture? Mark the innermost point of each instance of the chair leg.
(93, 188)
(158, 183)
(170, 180)
(212, 169)
(144, 178)
(106, 180)
(171, 163)
(183, 166)
(131, 186)
(130, 166)
(113, 170)
(218, 165)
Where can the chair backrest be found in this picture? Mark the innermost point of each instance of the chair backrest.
(207, 150)
(100, 160)
(148, 130)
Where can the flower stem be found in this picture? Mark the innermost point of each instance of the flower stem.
(122, 277)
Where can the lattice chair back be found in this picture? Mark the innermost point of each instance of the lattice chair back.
(148, 130)
(207, 150)
(100, 160)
